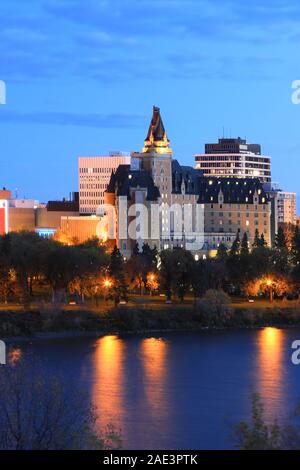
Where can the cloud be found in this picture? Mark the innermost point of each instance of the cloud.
(72, 119)
(130, 40)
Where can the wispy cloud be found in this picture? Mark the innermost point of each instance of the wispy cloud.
(73, 119)
(123, 40)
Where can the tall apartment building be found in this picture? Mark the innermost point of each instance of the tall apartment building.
(234, 158)
(286, 205)
(94, 175)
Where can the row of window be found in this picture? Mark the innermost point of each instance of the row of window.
(95, 170)
(93, 186)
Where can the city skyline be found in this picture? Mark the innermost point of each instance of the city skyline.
(82, 82)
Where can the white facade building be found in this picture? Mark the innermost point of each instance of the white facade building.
(234, 158)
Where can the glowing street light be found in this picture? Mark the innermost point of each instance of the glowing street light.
(270, 286)
(107, 283)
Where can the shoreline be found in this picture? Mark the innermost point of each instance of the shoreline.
(98, 334)
(17, 325)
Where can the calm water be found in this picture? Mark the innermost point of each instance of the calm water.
(177, 390)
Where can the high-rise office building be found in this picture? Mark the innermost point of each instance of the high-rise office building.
(234, 158)
(94, 176)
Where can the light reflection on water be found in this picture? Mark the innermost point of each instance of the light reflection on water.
(175, 390)
(108, 381)
(271, 368)
(153, 355)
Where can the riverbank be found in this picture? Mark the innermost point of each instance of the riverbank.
(140, 319)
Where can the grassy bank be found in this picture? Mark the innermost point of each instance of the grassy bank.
(133, 319)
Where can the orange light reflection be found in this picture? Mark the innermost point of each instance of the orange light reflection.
(270, 368)
(153, 352)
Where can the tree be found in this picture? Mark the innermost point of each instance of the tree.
(90, 259)
(199, 278)
(256, 242)
(152, 282)
(222, 253)
(295, 250)
(150, 262)
(262, 241)
(141, 264)
(257, 434)
(61, 268)
(235, 248)
(245, 245)
(7, 274)
(214, 307)
(26, 255)
(245, 261)
(279, 285)
(280, 239)
(281, 252)
(37, 413)
(135, 271)
(176, 272)
(183, 263)
(116, 271)
(261, 262)
(233, 263)
(166, 273)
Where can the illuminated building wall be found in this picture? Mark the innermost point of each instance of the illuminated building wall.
(78, 229)
(21, 219)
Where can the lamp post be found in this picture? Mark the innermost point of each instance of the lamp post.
(270, 286)
(107, 283)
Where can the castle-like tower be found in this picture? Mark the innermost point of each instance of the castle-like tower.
(157, 140)
(156, 158)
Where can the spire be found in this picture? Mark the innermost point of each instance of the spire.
(157, 139)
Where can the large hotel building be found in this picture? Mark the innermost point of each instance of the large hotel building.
(218, 207)
(234, 158)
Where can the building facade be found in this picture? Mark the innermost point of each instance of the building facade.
(234, 206)
(94, 175)
(183, 208)
(234, 158)
(286, 205)
(5, 196)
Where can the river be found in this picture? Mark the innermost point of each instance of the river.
(176, 390)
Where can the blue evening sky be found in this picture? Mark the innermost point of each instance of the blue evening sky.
(82, 77)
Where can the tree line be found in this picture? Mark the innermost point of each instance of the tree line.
(32, 267)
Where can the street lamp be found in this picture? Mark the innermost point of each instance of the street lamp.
(270, 286)
(107, 283)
